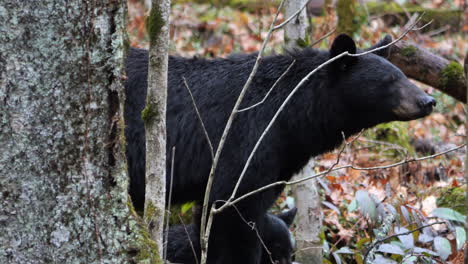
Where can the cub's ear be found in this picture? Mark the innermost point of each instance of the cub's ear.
(288, 216)
(383, 52)
(341, 44)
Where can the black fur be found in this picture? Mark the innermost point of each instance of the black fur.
(343, 97)
(183, 242)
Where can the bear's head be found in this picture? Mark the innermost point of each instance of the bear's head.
(278, 238)
(373, 89)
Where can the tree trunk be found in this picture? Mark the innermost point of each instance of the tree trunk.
(63, 183)
(154, 116)
(350, 17)
(309, 212)
(295, 32)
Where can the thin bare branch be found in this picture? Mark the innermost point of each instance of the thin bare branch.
(323, 37)
(271, 89)
(189, 238)
(168, 211)
(199, 118)
(305, 79)
(391, 43)
(224, 135)
(335, 169)
(291, 17)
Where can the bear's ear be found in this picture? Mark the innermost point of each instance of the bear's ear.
(383, 52)
(288, 216)
(341, 44)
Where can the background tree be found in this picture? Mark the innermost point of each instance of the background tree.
(63, 183)
(306, 194)
(154, 116)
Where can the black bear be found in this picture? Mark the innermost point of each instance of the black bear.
(348, 95)
(183, 241)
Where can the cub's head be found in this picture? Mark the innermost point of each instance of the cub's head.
(372, 88)
(278, 238)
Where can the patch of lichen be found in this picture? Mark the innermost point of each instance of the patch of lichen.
(454, 198)
(409, 51)
(149, 113)
(350, 17)
(451, 75)
(154, 23)
(147, 251)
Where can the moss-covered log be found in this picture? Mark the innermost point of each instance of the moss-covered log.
(395, 14)
(426, 67)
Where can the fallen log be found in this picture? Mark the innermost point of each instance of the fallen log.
(422, 65)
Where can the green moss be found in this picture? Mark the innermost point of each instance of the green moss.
(154, 23)
(454, 198)
(303, 43)
(395, 133)
(409, 51)
(350, 17)
(147, 250)
(438, 17)
(451, 75)
(149, 113)
(126, 43)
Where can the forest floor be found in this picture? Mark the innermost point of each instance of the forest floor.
(419, 192)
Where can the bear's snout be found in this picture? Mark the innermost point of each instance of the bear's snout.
(414, 103)
(427, 102)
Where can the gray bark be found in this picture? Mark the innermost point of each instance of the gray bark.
(295, 31)
(154, 116)
(63, 182)
(309, 211)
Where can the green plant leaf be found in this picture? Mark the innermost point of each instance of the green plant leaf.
(407, 240)
(187, 206)
(442, 246)
(344, 250)
(448, 214)
(461, 236)
(366, 204)
(391, 249)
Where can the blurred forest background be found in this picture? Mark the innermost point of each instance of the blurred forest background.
(355, 201)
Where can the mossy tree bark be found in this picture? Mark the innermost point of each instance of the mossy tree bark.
(426, 67)
(63, 183)
(350, 17)
(154, 116)
(309, 207)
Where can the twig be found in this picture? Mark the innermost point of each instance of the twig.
(169, 203)
(271, 89)
(289, 18)
(305, 79)
(380, 241)
(322, 38)
(438, 31)
(199, 118)
(204, 229)
(335, 169)
(190, 239)
(224, 135)
(391, 43)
